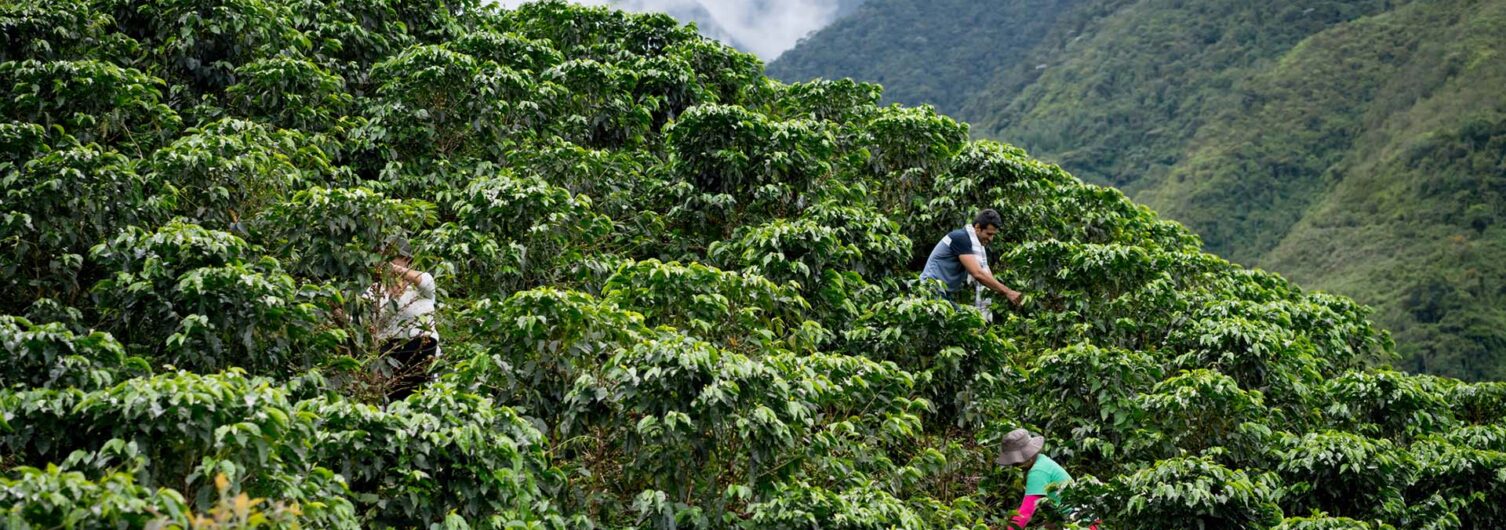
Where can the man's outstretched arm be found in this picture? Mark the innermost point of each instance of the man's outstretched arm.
(970, 262)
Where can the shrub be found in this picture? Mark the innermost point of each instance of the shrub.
(434, 102)
(1324, 522)
(92, 100)
(962, 367)
(543, 228)
(232, 168)
(1201, 409)
(534, 346)
(1388, 404)
(1184, 492)
(53, 498)
(1346, 474)
(807, 506)
(741, 164)
(59, 204)
(51, 356)
(186, 429)
(1456, 481)
(1084, 399)
(289, 92)
(197, 299)
(338, 233)
(200, 44)
(744, 311)
(440, 452)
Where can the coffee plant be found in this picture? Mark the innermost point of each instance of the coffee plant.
(673, 293)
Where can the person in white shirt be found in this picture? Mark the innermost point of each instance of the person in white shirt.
(405, 300)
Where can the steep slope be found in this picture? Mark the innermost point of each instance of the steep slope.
(671, 293)
(1239, 119)
(1120, 98)
(1385, 150)
(937, 53)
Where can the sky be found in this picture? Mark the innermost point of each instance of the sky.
(764, 27)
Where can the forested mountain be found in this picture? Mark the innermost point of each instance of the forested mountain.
(667, 292)
(1355, 145)
(938, 53)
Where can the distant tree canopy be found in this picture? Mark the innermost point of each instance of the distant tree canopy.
(1354, 146)
(675, 294)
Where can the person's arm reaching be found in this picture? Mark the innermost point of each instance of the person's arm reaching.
(1026, 511)
(411, 276)
(425, 285)
(970, 262)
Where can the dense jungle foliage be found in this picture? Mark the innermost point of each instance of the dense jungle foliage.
(1355, 146)
(675, 295)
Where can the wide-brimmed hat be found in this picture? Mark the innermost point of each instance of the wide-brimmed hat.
(1019, 446)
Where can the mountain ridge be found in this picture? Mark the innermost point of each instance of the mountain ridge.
(1242, 120)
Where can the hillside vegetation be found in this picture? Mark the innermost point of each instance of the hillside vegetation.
(1355, 146)
(913, 50)
(675, 295)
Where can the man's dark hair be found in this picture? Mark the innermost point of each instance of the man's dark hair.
(987, 218)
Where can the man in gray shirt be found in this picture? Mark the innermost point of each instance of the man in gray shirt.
(962, 254)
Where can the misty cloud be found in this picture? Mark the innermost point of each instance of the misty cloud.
(764, 27)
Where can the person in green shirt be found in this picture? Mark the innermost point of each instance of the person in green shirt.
(1044, 478)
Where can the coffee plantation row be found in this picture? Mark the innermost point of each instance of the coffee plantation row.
(675, 294)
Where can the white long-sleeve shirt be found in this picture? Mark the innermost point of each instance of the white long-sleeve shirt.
(408, 315)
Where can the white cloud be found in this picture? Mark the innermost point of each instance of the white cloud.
(764, 27)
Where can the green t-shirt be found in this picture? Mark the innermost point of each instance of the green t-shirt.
(1045, 473)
